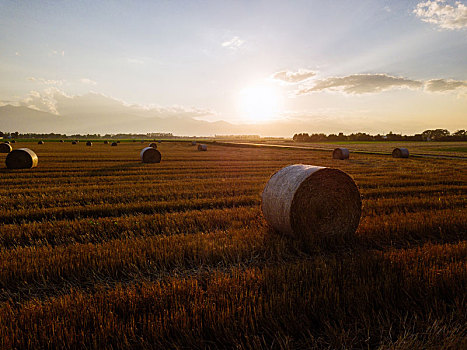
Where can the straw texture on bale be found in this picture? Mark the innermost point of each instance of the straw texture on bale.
(114, 144)
(400, 153)
(21, 158)
(5, 148)
(153, 145)
(150, 155)
(340, 153)
(202, 148)
(89, 143)
(40, 143)
(311, 201)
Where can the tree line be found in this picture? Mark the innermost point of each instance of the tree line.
(427, 135)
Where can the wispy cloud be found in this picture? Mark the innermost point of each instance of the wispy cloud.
(293, 77)
(43, 101)
(88, 81)
(442, 85)
(57, 53)
(46, 81)
(444, 15)
(233, 43)
(361, 84)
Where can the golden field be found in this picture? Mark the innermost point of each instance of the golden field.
(98, 250)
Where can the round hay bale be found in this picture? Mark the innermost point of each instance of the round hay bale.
(114, 144)
(61, 141)
(153, 145)
(118, 141)
(7, 142)
(74, 142)
(159, 141)
(5, 148)
(202, 147)
(89, 143)
(21, 158)
(40, 142)
(150, 155)
(400, 152)
(340, 153)
(193, 143)
(106, 142)
(13, 141)
(307, 201)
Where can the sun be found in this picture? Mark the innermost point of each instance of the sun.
(260, 103)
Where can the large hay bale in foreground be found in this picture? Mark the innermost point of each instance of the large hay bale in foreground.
(5, 147)
(21, 158)
(114, 144)
(150, 155)
(89, 143)
(40, 142)
(400, 152)
(340, 153)
(202, 147)
(311, 201)
(153, 145)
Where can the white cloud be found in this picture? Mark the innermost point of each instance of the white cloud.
(361, 84)
(233, 43)
(293, 77)
(444, 15)
(43, 101)
(46, 81)
(88, 81)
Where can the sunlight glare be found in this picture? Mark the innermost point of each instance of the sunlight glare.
(260, 103)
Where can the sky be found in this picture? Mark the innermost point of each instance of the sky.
(362, 65)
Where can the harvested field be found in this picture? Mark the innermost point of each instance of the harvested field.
(100, 250)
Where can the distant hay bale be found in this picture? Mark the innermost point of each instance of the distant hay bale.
(106, 142)
(5, 148)
(61, 141)
(13, 141)
(114, 144)
(153, 145)
(193, 143)
(40, 142)
(74, 142)
(311, 201)
(202, 147)
(21, 158)
(159, 141)
(150, 155)
(340, 153)
(89, 143)
(400, 152)
(118, 141)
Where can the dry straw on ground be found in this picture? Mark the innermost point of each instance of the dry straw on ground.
(21, 158)
(400, 153)
(202, 148)
(150, 155)
(311, 201)
(340, 153)
(5, 148)
(153, 145)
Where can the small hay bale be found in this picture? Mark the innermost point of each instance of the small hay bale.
(40, 142)
(340, 153)
(118, 141)
(202, 147)
(5, 148)
(153, 145)
(159, 141)
(74, 142)
(193, 143)
(21, 158)
(106, 142)
(89, 143)
(307, 201)
(150, 155)
(114, 144)
(13, 141)
(61, 141)
(400, 152)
